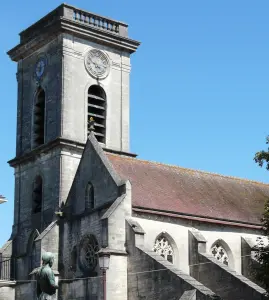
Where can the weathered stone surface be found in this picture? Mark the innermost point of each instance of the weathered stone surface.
(220, 278)
(152, 277)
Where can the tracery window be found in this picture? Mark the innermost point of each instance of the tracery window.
(220, 253)
(39, 119)
(89, 196)
(88, 253)
(97, 110)
(164, 248)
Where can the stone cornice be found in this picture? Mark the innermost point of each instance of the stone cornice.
(161, 215)
(63, 20)
(59, 142)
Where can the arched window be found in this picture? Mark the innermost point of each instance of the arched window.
(89, 196)
(220, 253)
(37, 195)
(39, 119)
(97, 110)
(163, 247)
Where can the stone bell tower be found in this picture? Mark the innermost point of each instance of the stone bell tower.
(72, 65)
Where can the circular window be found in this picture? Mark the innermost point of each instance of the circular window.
(88, 253)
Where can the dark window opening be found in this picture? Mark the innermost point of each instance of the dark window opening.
(37, 195)
(89, 197)
(39, 119)
(97, 110)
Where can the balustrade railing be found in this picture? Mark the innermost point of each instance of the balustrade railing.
(6, 269)
(96, 21)
(67, 12)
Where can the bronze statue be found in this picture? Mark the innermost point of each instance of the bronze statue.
(46, 286)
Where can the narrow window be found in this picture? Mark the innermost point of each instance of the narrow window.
(39, 119)
(37, 195)
(89, 197)
(164, 248)
(97, 110)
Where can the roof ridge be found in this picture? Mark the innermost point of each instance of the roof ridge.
(191, 170)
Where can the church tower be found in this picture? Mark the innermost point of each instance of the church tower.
(72, 65)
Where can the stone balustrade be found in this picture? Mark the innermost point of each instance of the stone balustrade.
(76, 16)
(95, 20)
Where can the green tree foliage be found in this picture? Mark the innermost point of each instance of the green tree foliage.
(262, 157)
(262, 249)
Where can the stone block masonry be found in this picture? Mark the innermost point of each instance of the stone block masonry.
(217, 276)
(152, 277)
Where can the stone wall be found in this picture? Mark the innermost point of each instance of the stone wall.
(70, 237)
(249, 265)
(217, 276)
(77, 81)
(176, 230)
(152, 277)
(81, 289)
(25, 290)
(95, 168)
(7, 290)
(27, 87)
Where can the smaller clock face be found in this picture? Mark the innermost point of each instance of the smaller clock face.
(97, 63)
(40, 67)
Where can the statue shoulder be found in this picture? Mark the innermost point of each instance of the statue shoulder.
(45, 271)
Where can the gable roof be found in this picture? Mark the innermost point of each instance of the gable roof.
(166, 188)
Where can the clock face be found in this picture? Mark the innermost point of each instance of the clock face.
(97, 63)
(40, 67)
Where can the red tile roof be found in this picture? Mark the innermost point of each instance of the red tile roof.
(174, 189)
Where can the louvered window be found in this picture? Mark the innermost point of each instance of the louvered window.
(39, 119)
(97, 110)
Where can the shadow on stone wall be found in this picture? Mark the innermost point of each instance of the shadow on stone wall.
(151, 277)
(81, 289)
(217, 276)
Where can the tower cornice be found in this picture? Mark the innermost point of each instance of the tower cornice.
(63, 144)
(80, 23)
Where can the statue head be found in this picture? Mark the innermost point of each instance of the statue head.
(48, 259)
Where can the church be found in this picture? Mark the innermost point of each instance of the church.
(120, 228)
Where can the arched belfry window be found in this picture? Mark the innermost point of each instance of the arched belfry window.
(37, 195)
(39, 119)
(220, 253)
(97, 110)
(89, 196)
(164, 248)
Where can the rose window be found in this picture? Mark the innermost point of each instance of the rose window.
(163, 248)
(88, 253)
(220, 254)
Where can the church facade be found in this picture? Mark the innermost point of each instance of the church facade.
(165, 232)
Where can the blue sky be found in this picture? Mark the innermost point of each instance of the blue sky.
(199, 83)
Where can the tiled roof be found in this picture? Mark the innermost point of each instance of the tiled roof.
(174, 189)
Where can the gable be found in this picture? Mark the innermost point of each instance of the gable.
(94, 168)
